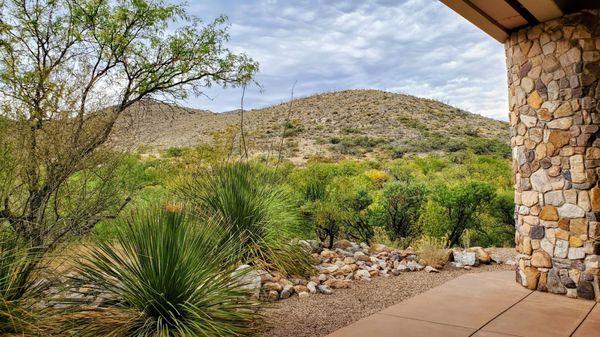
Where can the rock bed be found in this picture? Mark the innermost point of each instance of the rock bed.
(318, 315)
(348, 262)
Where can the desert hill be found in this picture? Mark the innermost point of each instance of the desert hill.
(344, 123)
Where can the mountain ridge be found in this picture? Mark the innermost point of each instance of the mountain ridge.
(357, 123)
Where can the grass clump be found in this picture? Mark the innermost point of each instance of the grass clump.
(17, 290)
(432, 251)
(171, 276)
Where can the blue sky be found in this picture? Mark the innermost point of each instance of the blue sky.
(417, 47)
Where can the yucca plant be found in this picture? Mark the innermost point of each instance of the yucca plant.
(16, 289)
(258, 215)
(170, 276)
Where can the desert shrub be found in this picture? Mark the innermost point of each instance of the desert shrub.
(327, 219)
(172, 275)
(432, 251)
(377, 176)
(453, 209)
(257, 213)
(380, 235)
(174, 152)
(401, 202)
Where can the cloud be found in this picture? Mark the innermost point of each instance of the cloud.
(419, 47)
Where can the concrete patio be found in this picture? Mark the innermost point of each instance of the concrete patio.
(481, 304)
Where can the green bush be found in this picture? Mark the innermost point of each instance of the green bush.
(174, 152)
(257, 213)
(172, 275)
(401, 203)
(453, 209)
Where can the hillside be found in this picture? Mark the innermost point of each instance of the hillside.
(359, 123)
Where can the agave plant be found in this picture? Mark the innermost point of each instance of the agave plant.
(256, 212)
(171, 278)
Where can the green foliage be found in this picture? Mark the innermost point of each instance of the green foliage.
(453, 209)
(174, 152)
(401, 203)
(257, 213)
(173, 276)
(17, 313)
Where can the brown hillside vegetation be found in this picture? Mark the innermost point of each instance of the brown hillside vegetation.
(357, 123)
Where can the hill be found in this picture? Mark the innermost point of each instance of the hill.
(357, 123)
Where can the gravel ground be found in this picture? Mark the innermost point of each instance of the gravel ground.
(319, 315)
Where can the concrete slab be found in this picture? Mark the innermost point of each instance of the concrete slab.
(380, 325)
(591, 325)
(542, 314)
(482, 305)
(470, 301)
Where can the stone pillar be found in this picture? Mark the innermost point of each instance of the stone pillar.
(554, 98)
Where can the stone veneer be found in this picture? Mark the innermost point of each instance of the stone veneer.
(554, 98)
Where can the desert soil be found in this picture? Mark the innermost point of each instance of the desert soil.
(319, 315)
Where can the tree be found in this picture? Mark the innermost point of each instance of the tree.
(69, 71)
(460, 205)
(402, 201)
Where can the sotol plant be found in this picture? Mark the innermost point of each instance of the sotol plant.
(257, 214)
(171, 278)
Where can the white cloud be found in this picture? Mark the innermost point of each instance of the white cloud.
(418, 47)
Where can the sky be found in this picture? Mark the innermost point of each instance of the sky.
(416, 47)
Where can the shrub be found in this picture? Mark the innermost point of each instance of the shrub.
(432, 251)
(454, 209)
(257, 213)
(377, 176)
(174, 152)
(172, 276)
(401, 202)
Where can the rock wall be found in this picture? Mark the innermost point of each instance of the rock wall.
(554, 98)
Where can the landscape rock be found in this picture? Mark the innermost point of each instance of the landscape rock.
(465, 258)
(430, 269)
(249, 280)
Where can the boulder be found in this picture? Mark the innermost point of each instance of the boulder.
(286, 292)
(362, 275)
(465, 258)
(541, 259)
(481, 255)
(273, 286)
(342, 244)
(414, 266)
(272, 296)
(249, 279)
(324, 289)
(338, 284)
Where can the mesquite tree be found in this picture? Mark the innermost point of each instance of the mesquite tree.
(69, 71)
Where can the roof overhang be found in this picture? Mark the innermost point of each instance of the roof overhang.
(499, 18)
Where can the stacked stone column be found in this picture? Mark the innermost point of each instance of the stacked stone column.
(554, 98)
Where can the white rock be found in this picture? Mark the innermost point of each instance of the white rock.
(414, 266)
(303, 294)
(249, 279)
(576, 253)
(571, 211)
(362, 275)
(323, 289)
(430, 269)
(465, 258)
(312, 287)
(561, 249)
(554, 198)
(540, 181)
